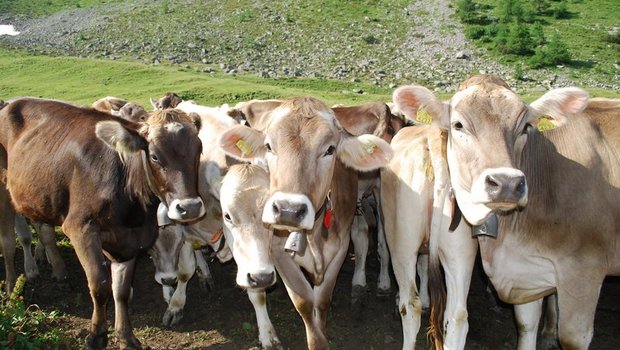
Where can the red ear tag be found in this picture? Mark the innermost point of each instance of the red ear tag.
(327, 220)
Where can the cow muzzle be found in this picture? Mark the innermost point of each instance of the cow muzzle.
(500, 189)
(186, 209)
(288, 211)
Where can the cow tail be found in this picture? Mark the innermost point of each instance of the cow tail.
(436, 282)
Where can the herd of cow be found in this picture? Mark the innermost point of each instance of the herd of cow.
(278, 186)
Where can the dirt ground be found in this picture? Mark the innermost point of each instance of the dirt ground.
(223, 318)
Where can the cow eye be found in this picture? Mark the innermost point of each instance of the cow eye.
(458, 126)
(268, 147)
(330, 151)
(526, 129)
(154, 158)
(227, 217)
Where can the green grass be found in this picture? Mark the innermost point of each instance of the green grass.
(85, 80)
(35, 8)
(585, 33)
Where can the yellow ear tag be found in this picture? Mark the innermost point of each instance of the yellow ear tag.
(423, 117)
(244, 147)
(370, 147)
(545, 124)
(196, 245)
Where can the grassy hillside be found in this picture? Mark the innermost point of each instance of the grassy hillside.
(588, 28)
(85, 80)
(35, 8)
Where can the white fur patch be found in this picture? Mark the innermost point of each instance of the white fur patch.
(307, 221)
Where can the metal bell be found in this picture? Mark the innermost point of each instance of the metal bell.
(296, 244)
(488, 228)
(162, 215)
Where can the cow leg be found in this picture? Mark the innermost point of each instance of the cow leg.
(458, 255)
(24, 234)
(7, 238)
(359, 236)
(47, 238)
(384, 285)
(549, 334)
(266, 332)
(185, 270)
(203, 272)
(302, 296)
(577, 301)
(87, 244)
(527, 317)
(422, 270)
(122, 275)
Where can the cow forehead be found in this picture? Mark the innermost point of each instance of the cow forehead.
(173, 130)
(488, 102)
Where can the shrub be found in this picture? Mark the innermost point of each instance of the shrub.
(475, 32)
(551, 54)
(519, 41)
(25, 327)
(613, 38)
(466, 10)
(561, 11)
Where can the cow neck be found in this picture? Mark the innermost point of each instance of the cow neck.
(150, 178)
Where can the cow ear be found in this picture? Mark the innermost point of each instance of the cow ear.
(421, 105)
(120, 138)
(242, 142)
(557, 104)
(364, 152)
(154, 104)
(196, 120)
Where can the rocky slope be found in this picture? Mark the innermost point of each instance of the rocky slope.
(420, 42)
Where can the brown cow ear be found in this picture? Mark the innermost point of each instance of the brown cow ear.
(120, 138)
(364, 152)
(196, 120)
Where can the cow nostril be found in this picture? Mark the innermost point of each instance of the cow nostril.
(491, 182)
(301, 212)
(521, 187)
(180, 209)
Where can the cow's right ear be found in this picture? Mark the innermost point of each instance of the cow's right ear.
(242, 142)
(155, 104)
(421, 105)
(120, 138)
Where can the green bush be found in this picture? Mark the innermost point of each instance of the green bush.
(561, 11)
(551, 54)
(518, 41)
(475, 32)
(466, 10)
(25, 327)
(613, 38)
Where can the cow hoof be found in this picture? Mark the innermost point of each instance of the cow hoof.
(359, 294)
(130, 344)
(383, 293)
(96, 342)
(172, 318)
(273, 346)
(549, 343)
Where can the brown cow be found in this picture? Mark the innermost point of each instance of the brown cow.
(169, 100)
(307, 153)
(554, 193)
(369, 118)
(107, 177)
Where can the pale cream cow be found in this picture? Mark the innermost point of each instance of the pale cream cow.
(307, 153)
(550, 173)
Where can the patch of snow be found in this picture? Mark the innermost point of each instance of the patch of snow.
(7, 29)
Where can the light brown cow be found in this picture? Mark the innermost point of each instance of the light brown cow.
(369, 118)
(555, 193)
(107, 176)
(414, 188)
(307, 153)
(243, 194)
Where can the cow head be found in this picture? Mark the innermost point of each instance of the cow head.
(488, 127)
(134, 112)
(300, 144)
(165, 254)
(169, 148)
(169, 100)
(243, 194)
